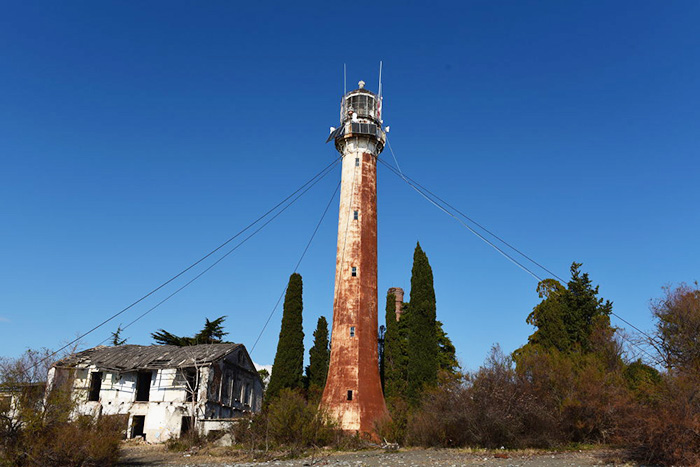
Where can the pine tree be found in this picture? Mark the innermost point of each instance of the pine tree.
(288, 366)
(422, 350)
(212, 333)
(116, 338)
(319, 355)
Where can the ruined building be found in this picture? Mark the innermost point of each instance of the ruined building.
(353, 392)
(398, 294)
(165, 390)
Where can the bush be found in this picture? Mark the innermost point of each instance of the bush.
(288, 422)
(84, 442)
(667, 430)
(393, 428)
(491, 408)
(40, 432)
(185, 442)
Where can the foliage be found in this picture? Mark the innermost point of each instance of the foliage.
(570, 384)
(491, 408)
(264, 375)
(289, 422)
(666, 425)
(319, 355)
(643, 380)
(422, 346)
(116, 337)
(567, 316)
(36, 429)
(85, 442)
(395, 352)
(288, 365)
(666, 429)
(393, 428)
(447, 353)
(212, 333)
(677, 317)
(186, 442)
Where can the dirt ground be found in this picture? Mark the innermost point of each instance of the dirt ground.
(146, 455)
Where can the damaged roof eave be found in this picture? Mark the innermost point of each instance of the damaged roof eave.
(125, 358)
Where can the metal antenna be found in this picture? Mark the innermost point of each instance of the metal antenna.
(345, 79)
(380, 79)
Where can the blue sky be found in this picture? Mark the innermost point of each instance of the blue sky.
(136, 137)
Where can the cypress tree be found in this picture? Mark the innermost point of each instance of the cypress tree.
(447, 353)
(395, 362)
(422, 349)
(288, 366)
(319, 355)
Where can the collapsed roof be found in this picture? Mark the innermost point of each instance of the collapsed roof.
(147, 357)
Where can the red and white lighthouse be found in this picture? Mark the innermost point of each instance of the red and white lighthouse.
(353, 392)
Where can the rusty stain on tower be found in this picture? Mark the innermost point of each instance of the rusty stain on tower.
(353, 392)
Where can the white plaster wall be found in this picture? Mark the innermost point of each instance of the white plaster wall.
(167, 399)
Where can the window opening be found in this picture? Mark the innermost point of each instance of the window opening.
(355, 214)
(143, 386)
(352, 331)
(357, 162)
(191, 385)
(349, 395)
(354, 271)
(95, 386)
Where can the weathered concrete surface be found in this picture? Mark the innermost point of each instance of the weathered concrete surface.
(354, 354)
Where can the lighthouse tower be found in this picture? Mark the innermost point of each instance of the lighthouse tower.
(353, 392)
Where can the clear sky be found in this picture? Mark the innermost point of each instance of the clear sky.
(137, 136)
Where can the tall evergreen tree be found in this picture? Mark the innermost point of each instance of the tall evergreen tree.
(319, 355)
(447, 354)
(567, 317)
(422, 351)
(586, 310)
(395, 359)
(288, 366)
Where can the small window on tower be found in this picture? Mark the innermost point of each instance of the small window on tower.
(355, 215)
(352, 331)
(354, 271)
(349, 395)
(357, 162)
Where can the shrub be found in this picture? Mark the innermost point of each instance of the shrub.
(393, 428)
(290, 422)
(38, 431)
(84, 442)
(667, 430)
(491, 408)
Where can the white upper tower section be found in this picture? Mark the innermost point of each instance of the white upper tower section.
(360, 118)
